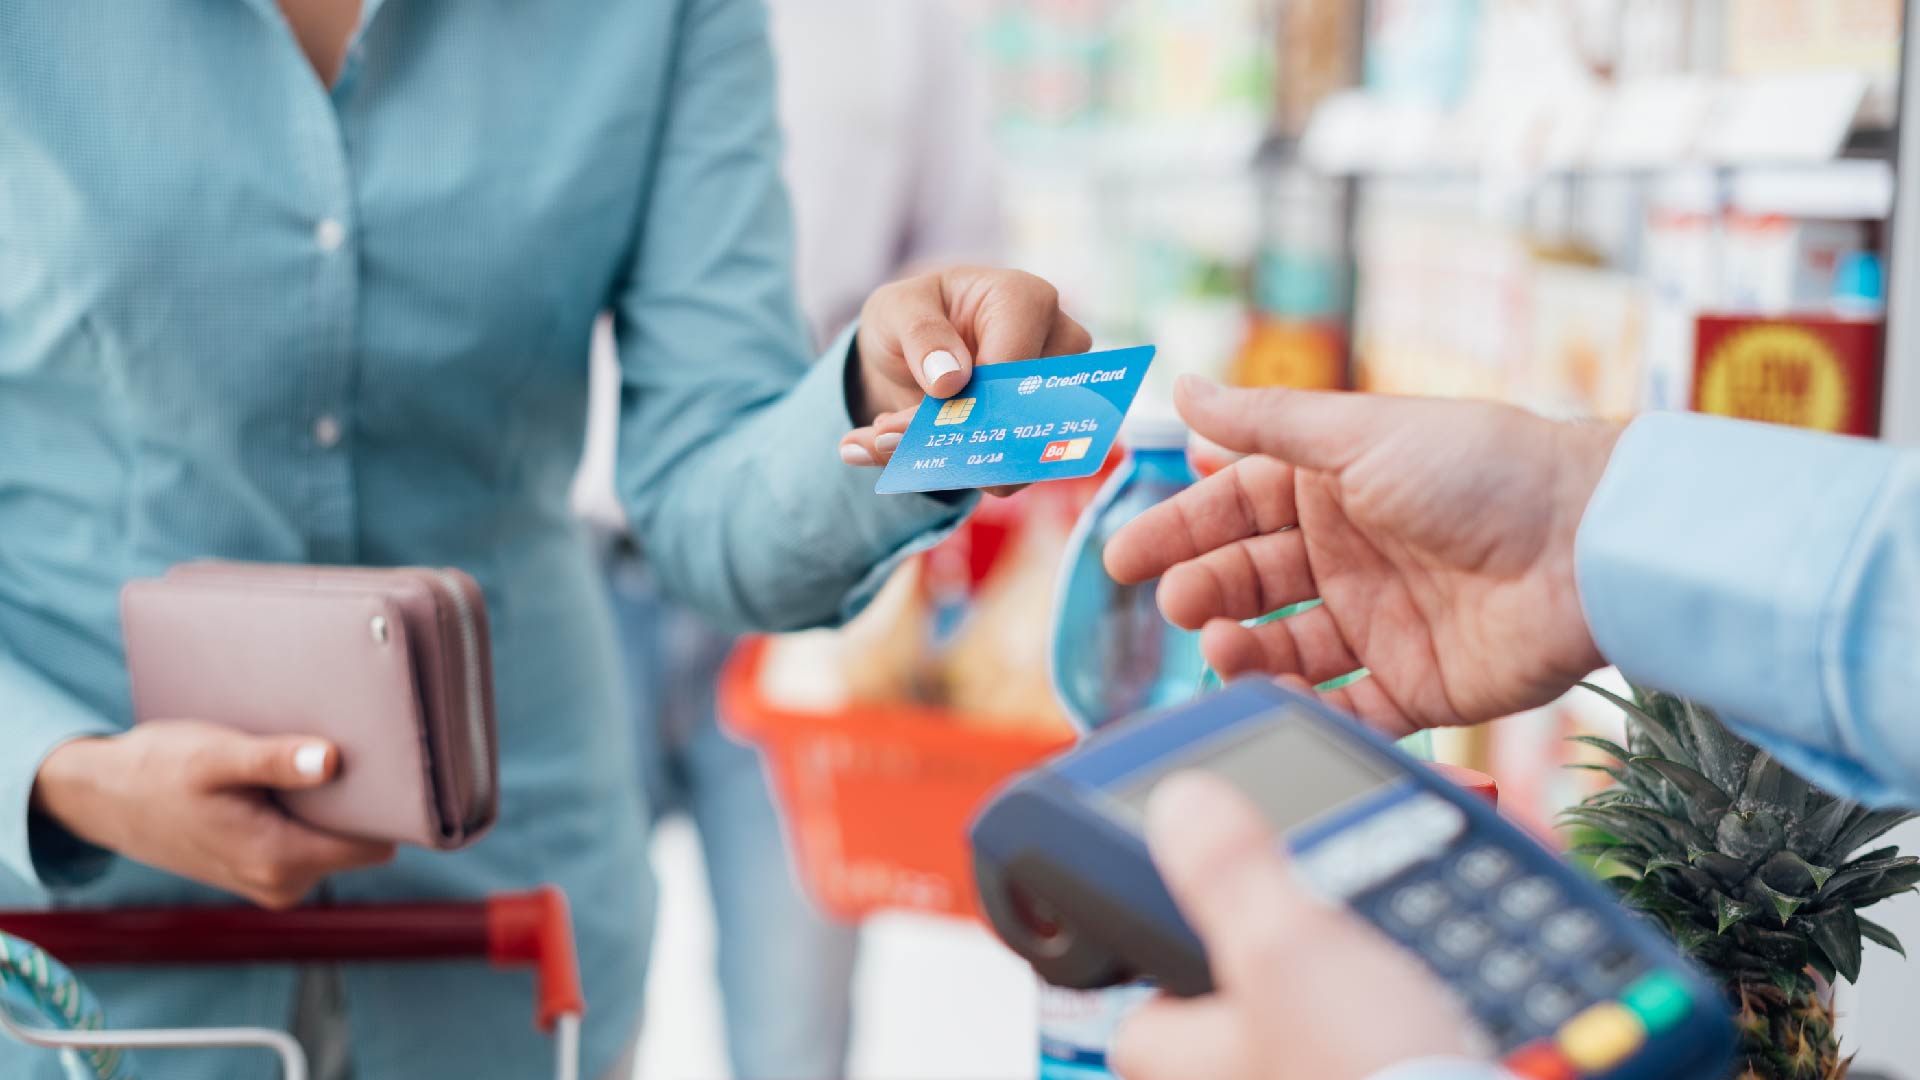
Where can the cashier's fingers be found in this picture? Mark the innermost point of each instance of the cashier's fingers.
(1251, 497)
(1242, 580)
(1307, 643)
(1170, 1039)
(1219, 859)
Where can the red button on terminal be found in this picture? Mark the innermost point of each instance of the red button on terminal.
(1540, 1061)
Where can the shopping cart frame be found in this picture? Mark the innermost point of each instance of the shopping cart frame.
(529, 930)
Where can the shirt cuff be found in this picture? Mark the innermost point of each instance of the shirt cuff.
(816, 414)
(1708, 563)
(40, 719)
(1443, 1069)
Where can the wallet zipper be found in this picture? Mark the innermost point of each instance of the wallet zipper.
(481, 779)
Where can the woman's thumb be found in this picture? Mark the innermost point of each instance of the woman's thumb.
(285, 762)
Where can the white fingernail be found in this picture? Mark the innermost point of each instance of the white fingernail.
(311, 759)
(937, 364)
(855, 454)
(887, 442)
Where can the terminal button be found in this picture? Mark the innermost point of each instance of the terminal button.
(1528, 899)
(1419, 904)
(1660, 1000)
(1540, 1061)
(1463, 937)
(1483, 868)
(1602, 1037)
(1570, 931)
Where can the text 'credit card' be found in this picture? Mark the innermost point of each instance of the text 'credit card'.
(1018, 423)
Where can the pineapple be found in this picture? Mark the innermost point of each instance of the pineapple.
(1749, 868)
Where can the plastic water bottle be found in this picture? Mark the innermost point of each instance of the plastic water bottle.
(1113, 653)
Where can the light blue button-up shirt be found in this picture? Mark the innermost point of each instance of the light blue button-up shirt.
(243, 315)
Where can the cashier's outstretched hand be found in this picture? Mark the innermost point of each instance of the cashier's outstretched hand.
(924, 334)
(1438, 534)
(1303, 988)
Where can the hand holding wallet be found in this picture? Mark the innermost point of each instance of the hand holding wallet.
(392, 665)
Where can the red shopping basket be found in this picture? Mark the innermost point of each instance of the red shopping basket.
(877, 798)
(531, 930)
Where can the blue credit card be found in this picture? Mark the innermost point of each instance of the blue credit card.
(1018, 423)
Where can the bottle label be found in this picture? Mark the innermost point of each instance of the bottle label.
(1077, 1027)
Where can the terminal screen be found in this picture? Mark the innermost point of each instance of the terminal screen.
(1293, 770)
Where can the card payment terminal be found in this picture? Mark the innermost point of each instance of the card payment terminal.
(1565, 981)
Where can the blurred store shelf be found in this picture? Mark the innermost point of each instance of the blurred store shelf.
(1786, 144)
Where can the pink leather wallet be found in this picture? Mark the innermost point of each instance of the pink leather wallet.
(392, 665)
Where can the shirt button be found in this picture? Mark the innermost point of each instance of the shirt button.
(329, 234)
(326, 432)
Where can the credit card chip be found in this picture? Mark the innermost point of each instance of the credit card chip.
(955, 411)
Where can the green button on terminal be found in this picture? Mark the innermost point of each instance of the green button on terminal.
(1660, 1000)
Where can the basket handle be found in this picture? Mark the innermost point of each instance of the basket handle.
(531, 929)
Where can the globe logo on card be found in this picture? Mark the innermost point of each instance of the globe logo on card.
(1030, 384)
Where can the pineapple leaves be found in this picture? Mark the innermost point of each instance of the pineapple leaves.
(1730, 912)
(1607, 746)
(1783, 904)
(1788, 871)
(1703, 801)
(1770, 786)
(1891, 883)
(1865, 826)
(1721, 754)
(1817, 831)
(1626, 706)
(1881, 936)
(1835, 933)
(1870, 867)
(1749, 835)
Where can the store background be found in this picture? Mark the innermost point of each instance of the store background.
(1533, 200)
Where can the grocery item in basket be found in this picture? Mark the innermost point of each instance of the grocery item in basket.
(392, 665)
(1019, 423)
(996, 669)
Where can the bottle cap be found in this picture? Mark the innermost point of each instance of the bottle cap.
(1153, 425)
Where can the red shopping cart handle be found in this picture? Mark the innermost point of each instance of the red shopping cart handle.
(510, 930)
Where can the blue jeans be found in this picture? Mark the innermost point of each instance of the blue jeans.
(785, 970)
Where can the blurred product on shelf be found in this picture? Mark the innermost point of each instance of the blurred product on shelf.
(1774, 264)
(1765, 37)
(1284, 352)
(1319, 55)
(1588, 341)
(1442, 306)
(1808, 371)
(1422, 50)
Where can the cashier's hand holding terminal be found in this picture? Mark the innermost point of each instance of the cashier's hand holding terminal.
(196, 799)
(922, 336)
(1303, 987)
(1438, 534)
